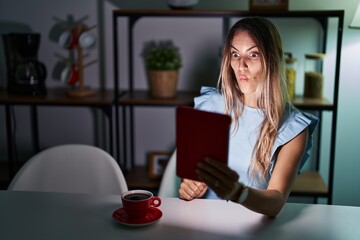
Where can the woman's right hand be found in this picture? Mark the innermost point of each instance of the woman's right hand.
(190, 189)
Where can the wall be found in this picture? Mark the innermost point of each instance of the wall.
(62, 125)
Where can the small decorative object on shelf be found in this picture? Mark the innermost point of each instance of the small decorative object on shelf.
(163, 62)
(181, 4)
(76, 39)
(157, 163)
(268, 5)
(314, 79)
(290, 74)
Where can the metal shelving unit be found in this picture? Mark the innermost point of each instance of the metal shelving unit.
(307, 184)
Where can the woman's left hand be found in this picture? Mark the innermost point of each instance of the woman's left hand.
(218, 176)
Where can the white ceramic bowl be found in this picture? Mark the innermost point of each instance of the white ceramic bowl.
(181, 4)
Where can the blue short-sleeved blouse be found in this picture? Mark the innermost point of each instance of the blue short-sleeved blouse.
(242, 141)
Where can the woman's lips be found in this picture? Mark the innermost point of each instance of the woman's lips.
(243, 78)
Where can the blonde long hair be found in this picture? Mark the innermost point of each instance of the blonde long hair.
(273, 95)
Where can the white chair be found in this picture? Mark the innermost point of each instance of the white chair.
(71, 168)
(170, 183)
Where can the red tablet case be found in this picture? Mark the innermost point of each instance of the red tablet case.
(199, 134)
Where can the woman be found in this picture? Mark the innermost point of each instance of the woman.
(270, 139)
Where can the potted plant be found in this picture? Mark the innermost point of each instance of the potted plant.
(163, 61)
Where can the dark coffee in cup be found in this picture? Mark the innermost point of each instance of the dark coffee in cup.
(136, 203)
(137, 196)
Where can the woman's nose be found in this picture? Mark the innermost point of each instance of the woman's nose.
(242, 64)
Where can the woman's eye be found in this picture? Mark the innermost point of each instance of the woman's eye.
(234, 55)
(254, 55)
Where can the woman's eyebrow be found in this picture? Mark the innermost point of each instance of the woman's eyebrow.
(232, 46)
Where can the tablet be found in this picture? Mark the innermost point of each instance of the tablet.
(199, 134)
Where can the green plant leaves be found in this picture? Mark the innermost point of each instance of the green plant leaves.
(162, 55)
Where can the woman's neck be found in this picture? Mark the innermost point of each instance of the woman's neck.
(250, 99)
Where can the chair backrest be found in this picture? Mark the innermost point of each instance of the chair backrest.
(71, 168)
(170, 183)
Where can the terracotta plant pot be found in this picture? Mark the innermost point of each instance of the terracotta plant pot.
(163, 83)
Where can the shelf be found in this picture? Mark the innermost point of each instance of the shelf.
(223, 13)
(58, 96)
(312, 103)
(309, 184)
(144, 98)
(138, 178)
(103, 100)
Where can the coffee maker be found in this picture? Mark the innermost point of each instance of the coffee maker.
(25, 74)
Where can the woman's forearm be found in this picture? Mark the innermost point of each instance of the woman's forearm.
(267, 202)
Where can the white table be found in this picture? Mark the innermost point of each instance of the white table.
(31, 215)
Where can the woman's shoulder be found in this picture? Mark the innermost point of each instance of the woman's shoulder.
(210, 99)
(296, 119)
(294, 123)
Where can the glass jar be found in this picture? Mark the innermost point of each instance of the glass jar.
(314, 79)
(290, 74)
